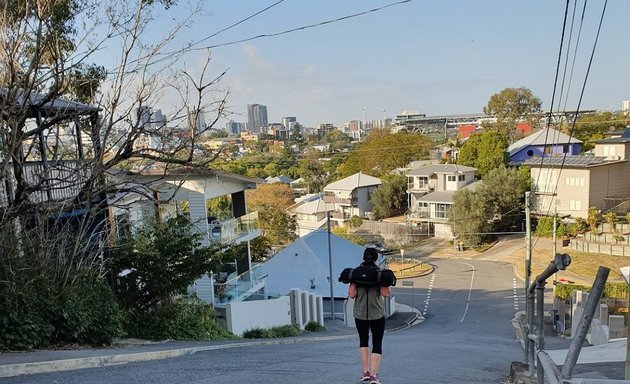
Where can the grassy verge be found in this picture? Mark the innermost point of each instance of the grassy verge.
(583, 268)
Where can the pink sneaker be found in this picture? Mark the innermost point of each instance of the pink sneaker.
(366, 376)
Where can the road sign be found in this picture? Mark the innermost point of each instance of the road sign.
(407, 283)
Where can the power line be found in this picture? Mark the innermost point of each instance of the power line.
(319, 24)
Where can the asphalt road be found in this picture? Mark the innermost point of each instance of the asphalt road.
(466, 338)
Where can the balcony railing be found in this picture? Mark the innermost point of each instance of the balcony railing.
(240, 287)
(230, 230)
(52, 182)
(339, 200)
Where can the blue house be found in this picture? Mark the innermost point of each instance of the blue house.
(545, 142)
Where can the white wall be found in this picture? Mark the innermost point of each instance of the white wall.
(246, 315)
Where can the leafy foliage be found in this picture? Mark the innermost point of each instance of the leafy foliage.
(390, 199)
(485, 151)
(544, 227)
(270, 333)
(42, 314)
(510, 106)
(277, 195)
(313, 326)
(351, 236)
(611, 290)
(505, 189)
(383, 152)
(180, 319)
(276, 224)
(496, 205)
(592, 218)
(165, 259)
(470, 217)
(597, 125)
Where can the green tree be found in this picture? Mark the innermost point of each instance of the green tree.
(592, 218)
(276, 224)
(510, 106)
(504, 188)
(470, 217)
(337, 140)
(611, 219)
(484, 151)
(596, 126)
(164, 259)
(390, 199)
(382, 152)
(312, 171)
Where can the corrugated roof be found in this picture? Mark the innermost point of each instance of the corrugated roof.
(547, 136)
(438, 197)
(350, 183)
(570, 161)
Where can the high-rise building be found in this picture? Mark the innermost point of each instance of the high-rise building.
(289, 122)
(625, 106)
(234, 128)
(256, 117)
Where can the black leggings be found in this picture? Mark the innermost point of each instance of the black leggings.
(378, 329)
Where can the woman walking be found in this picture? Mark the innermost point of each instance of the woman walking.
(369, 317)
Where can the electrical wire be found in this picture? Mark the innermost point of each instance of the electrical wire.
(319, 24)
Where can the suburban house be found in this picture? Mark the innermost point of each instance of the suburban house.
(351, 196)
(572, 184)
(430, 191)
(545, 142)
(310, 213)
(279, 179)
(187, 191)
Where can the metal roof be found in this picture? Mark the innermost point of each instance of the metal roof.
(350, 183)
(547, 136)
(569, 161)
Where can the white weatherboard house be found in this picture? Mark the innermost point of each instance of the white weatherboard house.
(310, 213)
(351, 196)
(430, 190)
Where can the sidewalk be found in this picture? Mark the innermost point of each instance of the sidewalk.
(24, 363)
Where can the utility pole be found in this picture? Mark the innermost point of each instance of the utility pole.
(554, 250)
(528, 262)
(330, 270)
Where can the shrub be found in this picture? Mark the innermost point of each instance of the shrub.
(611, 290)
(87, 313)
(179, 319)
(313, 326)
(544, 227)
(42, 313)
(270, 333)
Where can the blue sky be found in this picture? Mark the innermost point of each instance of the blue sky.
(436, 57)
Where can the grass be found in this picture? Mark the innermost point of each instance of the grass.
(583, 268)
(406, 269)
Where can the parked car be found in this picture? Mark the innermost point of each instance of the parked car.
(379, 247)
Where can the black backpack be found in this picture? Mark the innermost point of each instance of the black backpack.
(367, 275)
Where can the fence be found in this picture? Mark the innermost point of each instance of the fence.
(394, 233)
(535, 356)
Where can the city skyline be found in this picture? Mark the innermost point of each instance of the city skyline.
(369, 59)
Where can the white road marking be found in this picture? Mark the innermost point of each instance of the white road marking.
(472, 279)
(426, 302)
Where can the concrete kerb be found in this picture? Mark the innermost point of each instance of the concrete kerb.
(10, 370)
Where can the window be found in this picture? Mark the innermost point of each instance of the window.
(451, 178)
(574, 181)
(548, 149)
(462, 177)
(565, 148)
(442, 210)
(575, 205)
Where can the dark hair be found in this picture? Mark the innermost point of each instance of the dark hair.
(370, 255)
